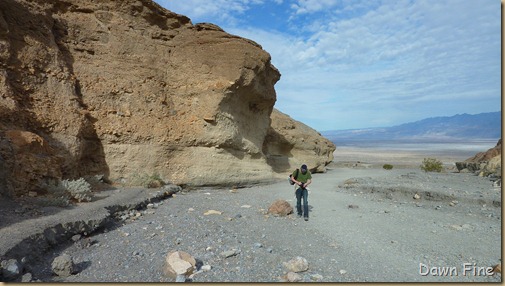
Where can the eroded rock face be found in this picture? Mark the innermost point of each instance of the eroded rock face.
(290, 143)
(124, 88)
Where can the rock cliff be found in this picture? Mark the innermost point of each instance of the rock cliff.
(484, 163)
(125, 88)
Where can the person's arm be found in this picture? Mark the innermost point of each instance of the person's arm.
(309, 181)
(295, 181)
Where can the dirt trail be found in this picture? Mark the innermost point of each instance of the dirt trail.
(366, 225)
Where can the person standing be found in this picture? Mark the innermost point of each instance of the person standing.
(302, 180)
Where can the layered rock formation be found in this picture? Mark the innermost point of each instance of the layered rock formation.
(125, 88)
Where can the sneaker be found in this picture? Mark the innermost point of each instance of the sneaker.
(306, 219)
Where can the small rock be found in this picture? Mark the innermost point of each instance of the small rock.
(229, 253)
(27, 277)
(76, 237)
(32, 194)
(297, 264)
(342, 271)
(63, 265)
(269, 250)
(466, 226)
(353, 207)
(456, 227)
(150, 206)
(316, 277)
(245, 206)
(293, 277)
(212, 212)
(191, 210)
(206, 267)
(417, 196)
(11, 268)
(258, 245)
(238, 216)
(179, 263)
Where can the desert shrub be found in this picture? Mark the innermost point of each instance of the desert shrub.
(387, 166)
(79, 190)
(61, 193)
(431, 165)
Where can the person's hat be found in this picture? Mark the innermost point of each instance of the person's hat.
(304, 167)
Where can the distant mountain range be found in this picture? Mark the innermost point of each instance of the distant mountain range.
(447, 128)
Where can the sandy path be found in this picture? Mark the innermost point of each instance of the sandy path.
(387, 240)
(389, 237)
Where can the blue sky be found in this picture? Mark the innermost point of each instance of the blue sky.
(349, 64)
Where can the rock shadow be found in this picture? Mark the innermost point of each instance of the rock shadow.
(277, 150)
(87, 156)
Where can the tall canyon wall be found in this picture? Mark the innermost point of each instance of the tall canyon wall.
(123, 88)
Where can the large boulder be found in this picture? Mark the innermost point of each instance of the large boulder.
(280, 208)
(128, 88)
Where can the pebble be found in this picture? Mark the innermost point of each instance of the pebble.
(229, 253)
(11, 268)
(293, 277)
(27, 277)
(206, 267)
(316, 277)
(258, 245)
(342, 271)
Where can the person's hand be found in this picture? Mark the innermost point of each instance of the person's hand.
(301, 185)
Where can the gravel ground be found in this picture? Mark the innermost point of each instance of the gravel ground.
(365, 226)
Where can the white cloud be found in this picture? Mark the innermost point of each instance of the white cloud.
(216, 11)
(311, 6)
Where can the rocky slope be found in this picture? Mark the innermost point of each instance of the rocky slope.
(127, 88)
(484, 163)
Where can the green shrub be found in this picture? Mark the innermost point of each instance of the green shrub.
(431, 165)
(387, 166)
